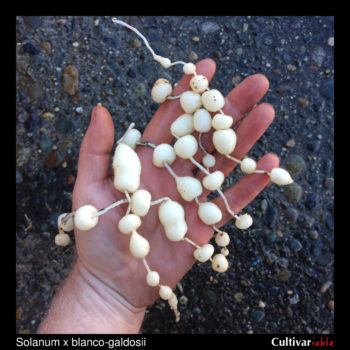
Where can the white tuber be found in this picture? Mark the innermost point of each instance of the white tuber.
(62, 239)
(140, 202)
(129, 223)
(212, 100)
(161, 90)
(222, 121)
(219, 263)
(66, 226)
(165, 292)
(190, 101)
(139, 246)
(202, 120)
(83, 219)
(188, 187)
(214, 180)
(208, 160)
(222, 239)
(176, 232)
(248, 165)
(152, 278)
(189, 68)
(224, 141)
(204, 253)
(127, 168)
(280, 177)
(163, 153)
(170, 212)
(186, 146)
(209, 213)
(182, 126)
(244, 221)
(199, 83)
(131, 137)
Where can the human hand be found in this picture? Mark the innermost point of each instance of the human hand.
(103, 252)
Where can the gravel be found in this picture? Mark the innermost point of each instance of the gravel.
(277, 261)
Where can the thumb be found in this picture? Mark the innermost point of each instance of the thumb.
(96, 148)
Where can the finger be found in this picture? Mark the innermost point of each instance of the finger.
(158, 129)
(246, 189)
(96, 148)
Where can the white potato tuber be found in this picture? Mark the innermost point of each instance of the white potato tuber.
(212, 100)
(219, 263)
(190, 101)
(208, 160)
(186, 146)
(222, 239)
(83, 219)
(163, 153)
(188, 187)
(244, 221)
(152, 278)
(62, 239)
(202, 120)
(204, 253)
(176, 232)
(129, 223)
(139, 246)
(170, 212)
(165, 292)
(222, 121)
(248, 166)
(68, 225)
(140, 202)
(224, 141)
(199, 83)
(127, 168)
(161, 90)
(131, 137)
(214, 180)
(280, 177)
(209, 213)
(182, 126)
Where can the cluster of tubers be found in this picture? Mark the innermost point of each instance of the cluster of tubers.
(197, 105)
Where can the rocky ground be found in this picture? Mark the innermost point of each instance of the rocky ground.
(281, 280)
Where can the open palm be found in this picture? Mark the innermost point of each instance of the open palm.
(104, 251)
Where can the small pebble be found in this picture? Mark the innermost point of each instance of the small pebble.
(46, 46)
(31, 49)
(238, 297)
(70, 80)
(195, 39)
(311, 200)
(291, 67)
(303, 102)
(284, 275)
(313, 234)
(47, 115)
(290, 143)
(271, 216)
(294, 164)
(330, 305)
(295, 245)
(193, 56)
(258, 315)
(79, 110)
(331, 41)
(325, 287)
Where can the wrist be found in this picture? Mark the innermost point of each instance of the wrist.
(86, 305)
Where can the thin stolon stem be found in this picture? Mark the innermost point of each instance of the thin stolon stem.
(113, 205)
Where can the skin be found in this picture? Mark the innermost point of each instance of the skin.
(106, 291)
